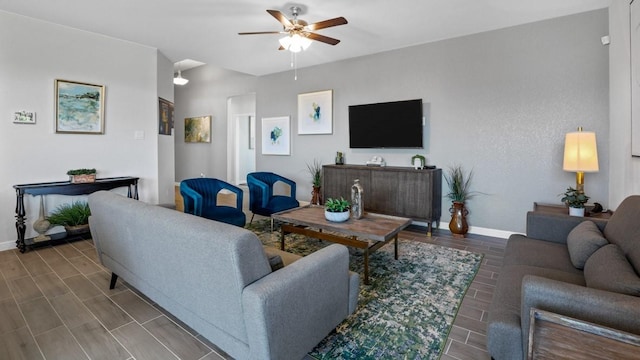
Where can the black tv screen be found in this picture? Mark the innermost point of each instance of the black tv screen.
(395, 124)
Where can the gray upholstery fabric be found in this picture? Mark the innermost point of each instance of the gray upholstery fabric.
(146, 245)
(522, 250)
(538, 272)
(583, 241)
(554, 227)
(608, 269)
(624, 229)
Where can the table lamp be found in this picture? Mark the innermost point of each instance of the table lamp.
(580, 155)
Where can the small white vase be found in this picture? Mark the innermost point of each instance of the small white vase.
(337, 216)
(576, 211)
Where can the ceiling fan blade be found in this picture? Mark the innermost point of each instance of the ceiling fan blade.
(280, 17)
(281, 48)
(261, 32)
(322, 38)
(327, 23)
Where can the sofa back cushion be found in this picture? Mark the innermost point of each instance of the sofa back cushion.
(583, 241)
(623, 229)
(198, 264)
(608, 269)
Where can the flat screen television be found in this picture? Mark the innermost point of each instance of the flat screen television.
(396, 124)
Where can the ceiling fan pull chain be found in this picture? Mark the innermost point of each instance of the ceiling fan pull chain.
(295, 68)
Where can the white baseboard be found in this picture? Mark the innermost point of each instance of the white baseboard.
(502, 234)
(7, 245)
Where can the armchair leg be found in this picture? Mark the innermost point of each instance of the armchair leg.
(252, 215)
(112, 283)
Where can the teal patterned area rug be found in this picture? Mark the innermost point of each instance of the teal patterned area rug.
(407, 310)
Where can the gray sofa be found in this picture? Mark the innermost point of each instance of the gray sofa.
(570, 266)
(216, 278)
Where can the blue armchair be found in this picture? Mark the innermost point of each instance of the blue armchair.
(262, 201)
(201, 199)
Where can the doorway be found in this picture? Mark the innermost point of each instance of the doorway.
(241, 131)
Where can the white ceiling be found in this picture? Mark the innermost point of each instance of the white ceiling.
(207, 30)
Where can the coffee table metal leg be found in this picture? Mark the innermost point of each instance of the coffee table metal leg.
(395, 245)
(282, 238)
(366, 266)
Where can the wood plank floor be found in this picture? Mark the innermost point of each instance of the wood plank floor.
(55, 303)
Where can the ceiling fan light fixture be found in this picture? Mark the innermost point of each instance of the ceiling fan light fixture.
(179, 80)
(295, 43)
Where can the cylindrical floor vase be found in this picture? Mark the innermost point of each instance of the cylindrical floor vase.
(458, 224)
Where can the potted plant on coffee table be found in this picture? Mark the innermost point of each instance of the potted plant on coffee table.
(459, 183)
(82, 175)
(74, 217)
(315, 170)
(575, 200)
(337, 210)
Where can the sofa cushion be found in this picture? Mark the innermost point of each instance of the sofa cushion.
(522, 250)
(623, 229)
(608, 269)
(583, 241)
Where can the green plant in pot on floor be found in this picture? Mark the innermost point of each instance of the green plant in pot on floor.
(459, 183)
(575, 200)
(315, 170)
(337, 210)
(74, 217)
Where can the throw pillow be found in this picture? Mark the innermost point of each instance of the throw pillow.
(583, 241)
(608, 269)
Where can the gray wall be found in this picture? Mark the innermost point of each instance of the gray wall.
(498, 102)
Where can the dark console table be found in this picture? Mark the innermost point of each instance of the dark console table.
(64, 188)
(391, 190)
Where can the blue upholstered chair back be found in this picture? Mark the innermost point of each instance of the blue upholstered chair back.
(262, 201)
(201, 199)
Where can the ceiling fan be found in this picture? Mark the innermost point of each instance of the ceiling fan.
(299, 32)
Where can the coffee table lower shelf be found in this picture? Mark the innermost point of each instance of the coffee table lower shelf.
(348, 241)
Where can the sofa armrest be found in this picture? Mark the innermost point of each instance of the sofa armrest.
(601, 307)
(555, 227)
(291, 310)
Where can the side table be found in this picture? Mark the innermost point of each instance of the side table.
(562, 209)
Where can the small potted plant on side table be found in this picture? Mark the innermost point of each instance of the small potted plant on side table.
(337, 210)
(77, 176)
(575, 200)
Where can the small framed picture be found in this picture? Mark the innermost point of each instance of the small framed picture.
(165, 116)
(24, 117)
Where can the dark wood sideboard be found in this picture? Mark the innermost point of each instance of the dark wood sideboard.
(64, 188)
(391, 190)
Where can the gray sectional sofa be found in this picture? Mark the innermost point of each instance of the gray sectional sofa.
(571, 266)
(217, 279)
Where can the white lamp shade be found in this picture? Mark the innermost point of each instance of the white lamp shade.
(295, 43)
(580, 152)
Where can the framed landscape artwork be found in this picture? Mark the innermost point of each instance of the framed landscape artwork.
(197, 129)
(276, 135)
(79, 108)
(315, 113)
(165, 116)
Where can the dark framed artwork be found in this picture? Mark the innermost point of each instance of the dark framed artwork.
(165, 116)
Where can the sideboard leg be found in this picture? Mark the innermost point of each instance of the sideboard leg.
(20, 220)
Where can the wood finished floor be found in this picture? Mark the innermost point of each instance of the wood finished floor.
(55, 303)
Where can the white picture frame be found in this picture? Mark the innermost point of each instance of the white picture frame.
(315, 113)
(276, 135)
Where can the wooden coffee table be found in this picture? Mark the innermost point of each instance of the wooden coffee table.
(369, 233)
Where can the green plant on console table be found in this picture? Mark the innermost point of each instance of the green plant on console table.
(573, 198)
(81, 172)
(73, 214)
(336, 205)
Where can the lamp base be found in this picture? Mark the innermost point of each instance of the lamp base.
(580, 182)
